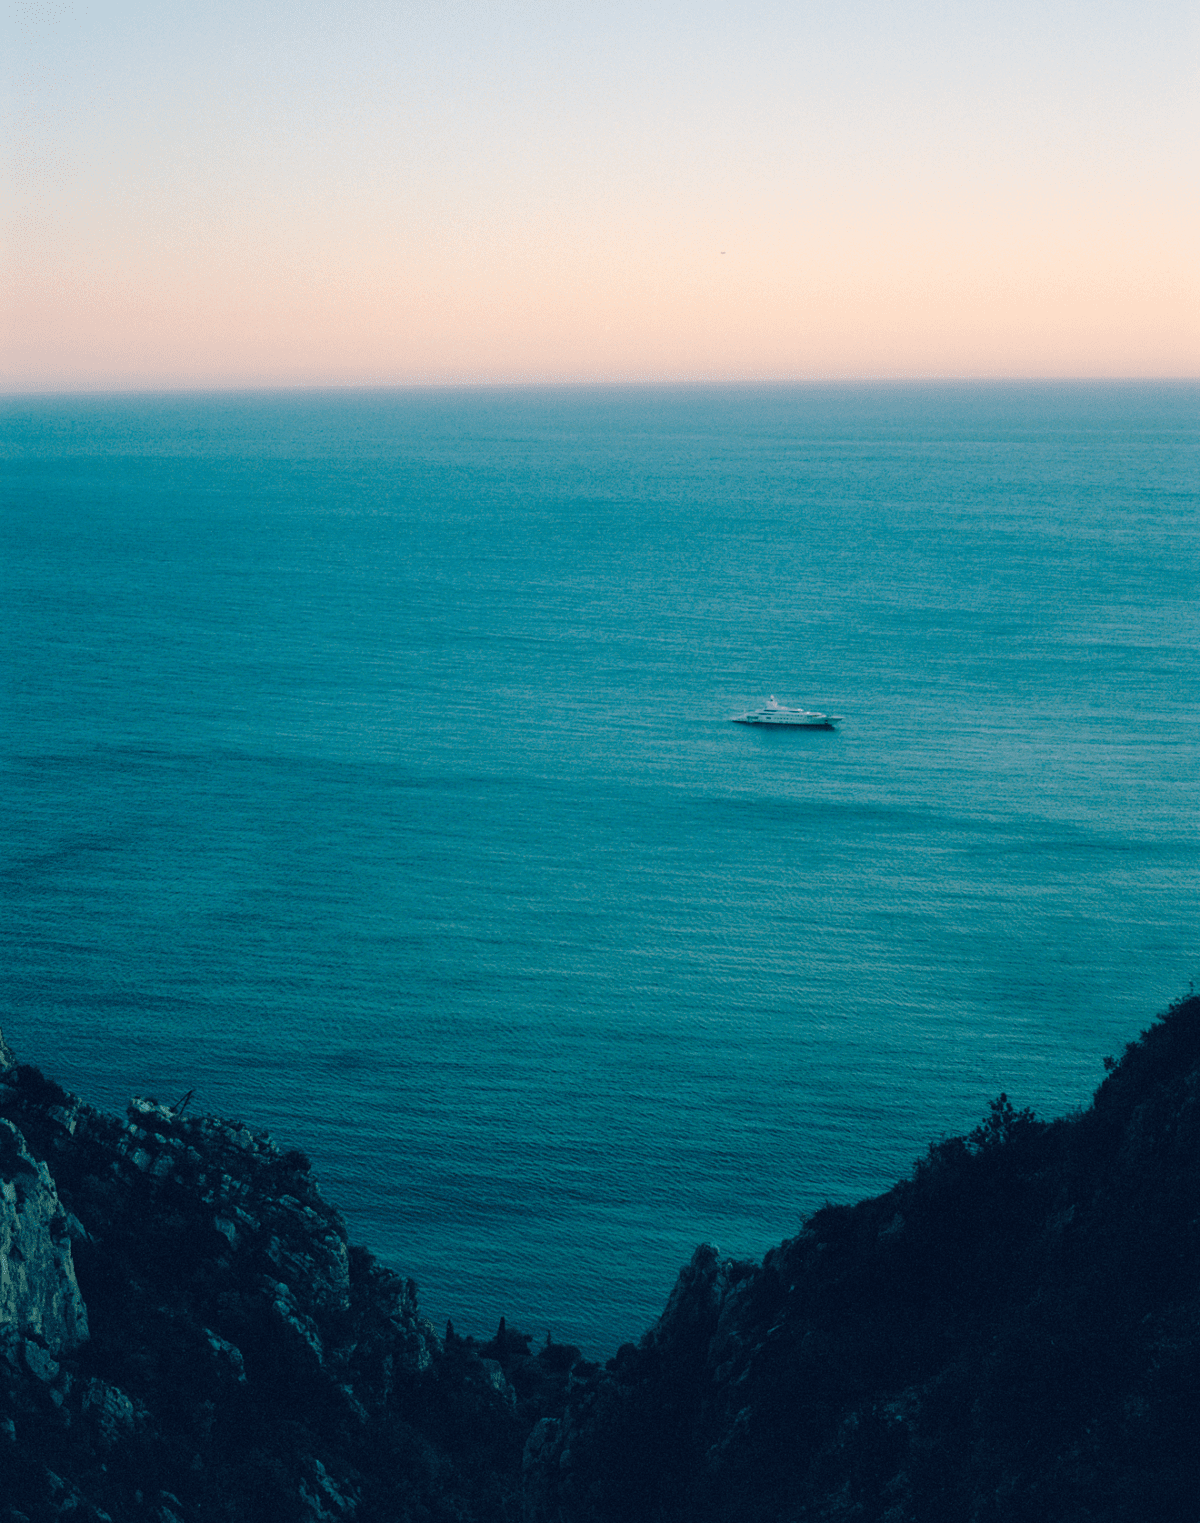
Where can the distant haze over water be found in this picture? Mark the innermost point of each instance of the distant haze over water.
(368, 768)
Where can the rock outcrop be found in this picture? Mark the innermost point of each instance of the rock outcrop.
(245, 1363)
(39, 1294)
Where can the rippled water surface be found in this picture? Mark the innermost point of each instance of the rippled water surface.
(368, 768)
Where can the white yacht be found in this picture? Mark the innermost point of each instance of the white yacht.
(775, 713)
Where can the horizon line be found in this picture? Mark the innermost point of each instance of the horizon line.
(634, 384)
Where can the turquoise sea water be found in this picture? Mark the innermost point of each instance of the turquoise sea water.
(368, 768)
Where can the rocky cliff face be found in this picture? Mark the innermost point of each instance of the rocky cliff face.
(244, 1362)
(1011, 1333)
(40, 1300)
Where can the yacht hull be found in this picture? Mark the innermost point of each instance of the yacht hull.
(790, 724)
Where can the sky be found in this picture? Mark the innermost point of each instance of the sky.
(364, 194)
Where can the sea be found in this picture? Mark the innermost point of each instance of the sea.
(368, 771)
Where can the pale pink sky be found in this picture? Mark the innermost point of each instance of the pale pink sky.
(272, 194)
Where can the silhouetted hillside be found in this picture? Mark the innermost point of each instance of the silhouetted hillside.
(1011, 1333)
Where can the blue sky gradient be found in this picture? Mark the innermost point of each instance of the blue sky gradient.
(409, 194)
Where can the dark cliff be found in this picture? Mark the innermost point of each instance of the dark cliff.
(1011, 1333)
(197, 1341)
